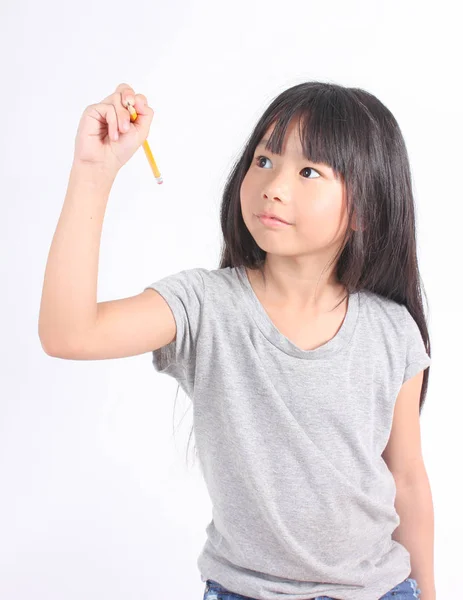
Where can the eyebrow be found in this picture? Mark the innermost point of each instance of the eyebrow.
(262, 142)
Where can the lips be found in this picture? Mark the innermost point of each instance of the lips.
(270, 216)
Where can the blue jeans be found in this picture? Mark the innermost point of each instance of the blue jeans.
(406, 590)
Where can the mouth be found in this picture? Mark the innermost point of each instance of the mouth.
(272, 221)
(269, 215)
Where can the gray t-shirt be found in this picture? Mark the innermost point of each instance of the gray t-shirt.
(290, 440)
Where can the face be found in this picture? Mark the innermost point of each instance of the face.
(304, 193)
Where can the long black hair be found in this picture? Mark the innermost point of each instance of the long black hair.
(350, 130)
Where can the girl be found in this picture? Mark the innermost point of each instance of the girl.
(306, 353)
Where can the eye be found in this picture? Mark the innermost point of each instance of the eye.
(258, 159)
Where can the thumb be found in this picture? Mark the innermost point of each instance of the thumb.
(141, 114)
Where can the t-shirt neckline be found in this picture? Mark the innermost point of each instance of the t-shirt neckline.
(278, 339)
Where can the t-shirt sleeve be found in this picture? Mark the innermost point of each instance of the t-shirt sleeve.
(184, 293)
(416, 357)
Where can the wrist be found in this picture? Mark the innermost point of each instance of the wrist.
(92, 173)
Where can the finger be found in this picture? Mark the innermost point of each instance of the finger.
(113, 126)
(140, 100)
(123, 90)
(108, 112)
(141, 106)
(127, 93)
(123, 115)
(139, 103)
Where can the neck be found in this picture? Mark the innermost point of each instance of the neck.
(299, 289)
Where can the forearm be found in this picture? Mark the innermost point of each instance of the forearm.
(69, 296)
(416, 530)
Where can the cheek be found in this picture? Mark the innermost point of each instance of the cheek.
(245, 187)
(322, 217)
(326, 205)
(246, 195)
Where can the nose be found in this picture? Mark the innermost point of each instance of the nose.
(277, 189)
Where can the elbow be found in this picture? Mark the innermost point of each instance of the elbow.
(45, 341)
(49, 348)
(57, 349)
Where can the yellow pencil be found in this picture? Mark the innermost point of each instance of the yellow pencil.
(146, 146)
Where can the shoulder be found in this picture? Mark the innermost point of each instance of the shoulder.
(222, 281)
(392, 322)
(396, 314)
(384, 312)
(182, 281)
(382, 326)
(199, 283)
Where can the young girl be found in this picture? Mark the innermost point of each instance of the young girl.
(305, 354)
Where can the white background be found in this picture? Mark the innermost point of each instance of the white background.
(97, 500)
